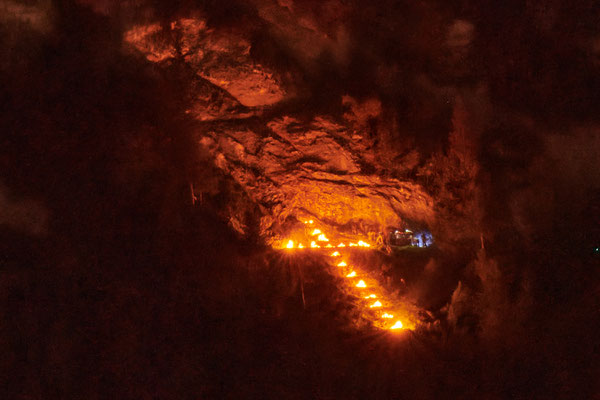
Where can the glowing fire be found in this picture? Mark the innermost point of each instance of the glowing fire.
(376, 299)
(376, 304)
(322, 238)
(397, 325)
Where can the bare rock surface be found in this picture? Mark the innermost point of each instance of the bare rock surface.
(220, 56)
(298, 171)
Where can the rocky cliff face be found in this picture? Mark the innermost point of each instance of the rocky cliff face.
(292, 168)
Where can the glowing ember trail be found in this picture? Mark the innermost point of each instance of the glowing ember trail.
(393, 306)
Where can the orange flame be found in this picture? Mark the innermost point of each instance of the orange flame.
(351, 274)
(335, 254)
(371, 296)
(322, 237)
(316, 232)
(341, 245)
(376, 304)
(386, 315)
(300, 246)
(342, 264)
(314, 245)
(290, 244)
(361, 284)
(397, 325)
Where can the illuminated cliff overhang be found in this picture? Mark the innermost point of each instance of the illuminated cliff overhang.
(326, 169)
(302, 172)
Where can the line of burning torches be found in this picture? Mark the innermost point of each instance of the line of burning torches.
(323, 242)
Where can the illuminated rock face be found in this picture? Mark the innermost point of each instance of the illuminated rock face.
(221, 57)
(312, 171)
(292, 170)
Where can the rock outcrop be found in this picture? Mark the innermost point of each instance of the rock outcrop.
(298, 171)
(326, 169)
(221, 57)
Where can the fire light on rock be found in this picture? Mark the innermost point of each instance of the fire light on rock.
(361, 284)
(342, 264)
(397, 325)
(290, 244)
(376, 304)
(351, 274)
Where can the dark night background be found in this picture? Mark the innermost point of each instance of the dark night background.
(113, 285)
